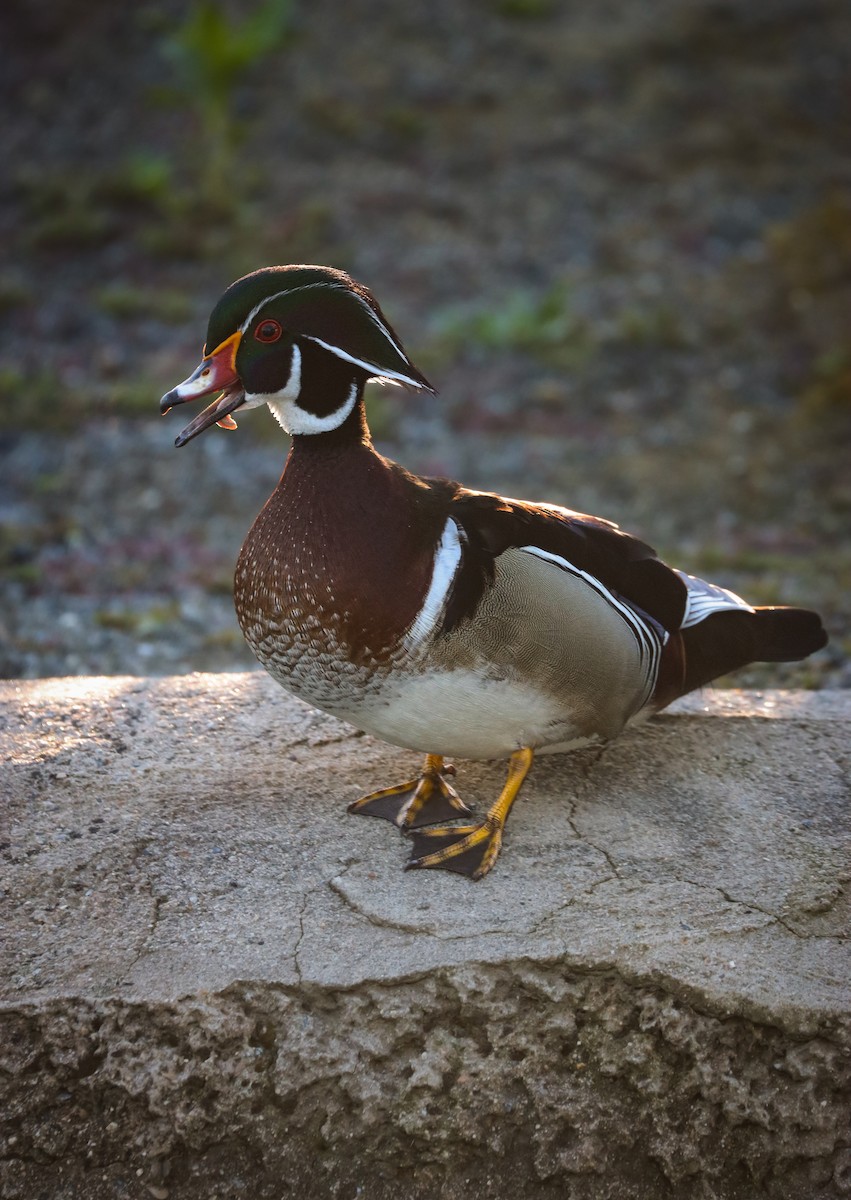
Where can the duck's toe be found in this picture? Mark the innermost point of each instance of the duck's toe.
(423, 801)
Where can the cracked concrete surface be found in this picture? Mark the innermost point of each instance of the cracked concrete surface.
(203, 951)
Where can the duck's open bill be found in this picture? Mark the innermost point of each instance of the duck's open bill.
(217, 413)
(215, 373)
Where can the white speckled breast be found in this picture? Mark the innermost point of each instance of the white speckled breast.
(331, 579)
(292, 626)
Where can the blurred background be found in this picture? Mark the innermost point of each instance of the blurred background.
(616, 234)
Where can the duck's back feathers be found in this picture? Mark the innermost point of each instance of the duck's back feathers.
(623, 565)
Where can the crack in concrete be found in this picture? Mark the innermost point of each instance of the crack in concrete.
(715, 887)
(379, 922)
(752, 905)
(302, 932)
(589, 891)
(571, 816)
(297, 948)
(839, 938)
(538, 930)
(157, 903)
(140, 845)
(539, 927)
(582, 837)
(774, 918)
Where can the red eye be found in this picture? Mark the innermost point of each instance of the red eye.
(268, 331)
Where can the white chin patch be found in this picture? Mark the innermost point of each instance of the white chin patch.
(290, 415)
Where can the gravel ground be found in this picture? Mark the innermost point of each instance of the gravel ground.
(617, 237)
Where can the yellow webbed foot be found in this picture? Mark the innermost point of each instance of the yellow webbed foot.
(424, 801)
(466, 849)
(472, 849)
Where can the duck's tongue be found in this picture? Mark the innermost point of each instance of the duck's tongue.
(217, 413)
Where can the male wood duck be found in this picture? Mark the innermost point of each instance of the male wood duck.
(441, 619)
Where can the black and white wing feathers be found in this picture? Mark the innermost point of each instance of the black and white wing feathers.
(624, 566)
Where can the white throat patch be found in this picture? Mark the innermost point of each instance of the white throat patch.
(290, 415)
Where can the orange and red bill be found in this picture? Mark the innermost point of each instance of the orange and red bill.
(216, 372)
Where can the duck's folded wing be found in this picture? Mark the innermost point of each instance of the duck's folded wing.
(623, 565)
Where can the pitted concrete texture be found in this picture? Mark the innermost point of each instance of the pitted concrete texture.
(216, 983)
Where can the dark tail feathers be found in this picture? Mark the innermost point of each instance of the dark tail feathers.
(729, 640)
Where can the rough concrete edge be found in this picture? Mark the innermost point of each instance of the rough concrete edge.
(793, 1020)
(207, 1049)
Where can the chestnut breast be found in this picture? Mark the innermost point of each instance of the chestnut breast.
(335, 569)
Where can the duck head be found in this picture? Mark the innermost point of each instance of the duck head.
(301, 339)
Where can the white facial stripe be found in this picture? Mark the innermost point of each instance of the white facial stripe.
(290, 415)
(379, 372)
(288, 412)
(446, 562)
(289, 392)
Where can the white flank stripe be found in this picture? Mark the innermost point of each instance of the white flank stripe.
(649, 642)
(446, 562)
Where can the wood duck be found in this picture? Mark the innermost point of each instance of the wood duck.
(444, 620)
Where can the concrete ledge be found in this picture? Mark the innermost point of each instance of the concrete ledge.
(215, 983)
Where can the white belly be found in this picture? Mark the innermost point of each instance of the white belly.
(466, 714)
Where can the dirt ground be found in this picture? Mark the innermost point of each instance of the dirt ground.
(616, 235)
